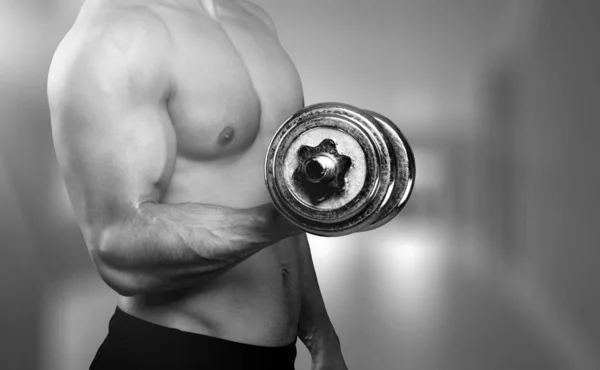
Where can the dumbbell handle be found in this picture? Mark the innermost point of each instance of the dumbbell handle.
(320, 168)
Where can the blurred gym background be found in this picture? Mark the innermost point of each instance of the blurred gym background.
(492, 265)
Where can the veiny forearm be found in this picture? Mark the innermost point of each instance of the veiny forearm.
(160, 247)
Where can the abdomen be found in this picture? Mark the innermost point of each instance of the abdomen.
(256, 302)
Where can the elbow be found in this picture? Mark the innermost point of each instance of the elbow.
(122, 283)
(113, 268)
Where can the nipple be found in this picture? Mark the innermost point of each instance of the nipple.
(226, 136)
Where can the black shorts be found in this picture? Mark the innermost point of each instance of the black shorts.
(133, 344)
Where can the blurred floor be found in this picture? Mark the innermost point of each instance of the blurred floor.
(406, 292)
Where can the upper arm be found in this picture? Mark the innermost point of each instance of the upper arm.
(113, 136)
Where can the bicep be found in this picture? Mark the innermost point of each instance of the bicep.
(115, 160)
(114, 142)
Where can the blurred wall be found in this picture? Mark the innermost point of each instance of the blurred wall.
(541, 93)
(558, 177)
(21, 285)
(417, 61)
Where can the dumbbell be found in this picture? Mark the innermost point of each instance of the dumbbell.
(333, 169)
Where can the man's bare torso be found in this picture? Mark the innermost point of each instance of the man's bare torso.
(232, 85)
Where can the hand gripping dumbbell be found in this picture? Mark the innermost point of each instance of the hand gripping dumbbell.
(333, 169)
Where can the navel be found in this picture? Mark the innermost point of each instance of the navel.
(226, 135)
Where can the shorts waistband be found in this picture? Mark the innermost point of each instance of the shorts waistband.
(130, 328)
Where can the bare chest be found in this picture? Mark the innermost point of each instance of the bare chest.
(233, 86)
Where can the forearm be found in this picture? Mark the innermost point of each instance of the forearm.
(315, 329)
(161, 247)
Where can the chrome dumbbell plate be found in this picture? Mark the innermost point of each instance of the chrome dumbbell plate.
(331, 169)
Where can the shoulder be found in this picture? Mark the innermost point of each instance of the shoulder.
(260, 13)
(126, 45)
(133, 30)
(130, 39)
